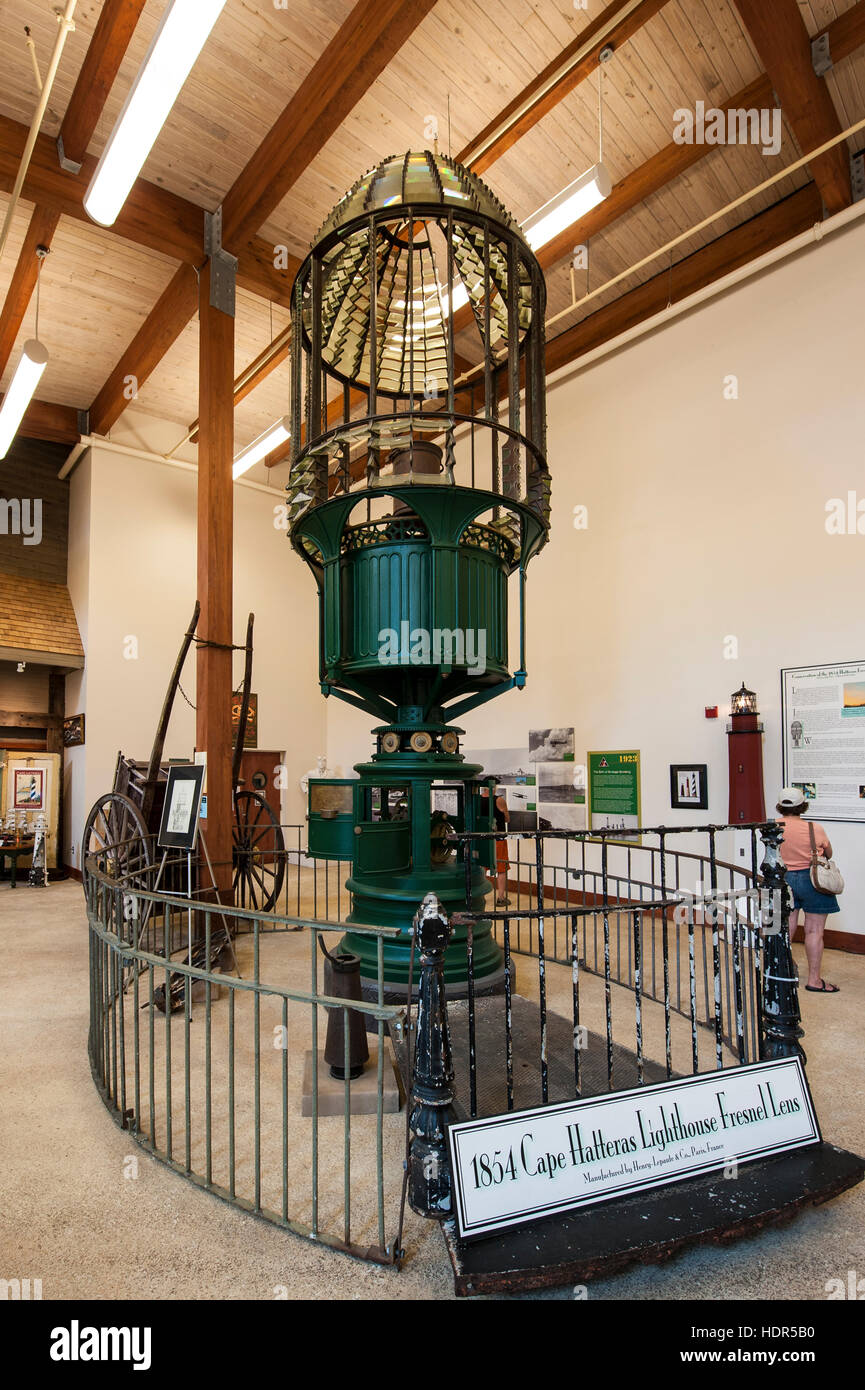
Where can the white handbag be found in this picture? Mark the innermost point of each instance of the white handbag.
(826, 877)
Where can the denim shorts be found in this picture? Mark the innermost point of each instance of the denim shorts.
(805, 895)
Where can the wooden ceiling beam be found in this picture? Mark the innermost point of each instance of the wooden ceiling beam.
(846, 33)
(547, 89)
(163, 326)
(114, 29)
(56, 423)
(645, 181)
(151, 217)
(781, 39)
(720, 257)
(43, 224)
(353, 60)
(539, 97)
(105, 53)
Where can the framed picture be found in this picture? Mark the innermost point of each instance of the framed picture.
(250, 733)
(689, 788)
(73, 731)
(180, 811)
(28, 792)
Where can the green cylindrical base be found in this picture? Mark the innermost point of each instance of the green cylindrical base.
(395, 903)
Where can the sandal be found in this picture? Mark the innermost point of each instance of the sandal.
(823, 988)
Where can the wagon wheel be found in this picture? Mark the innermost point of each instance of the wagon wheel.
(259, 853)
(116, 840)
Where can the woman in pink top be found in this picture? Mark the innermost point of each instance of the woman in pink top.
(796, 854)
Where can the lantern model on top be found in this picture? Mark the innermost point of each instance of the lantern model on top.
(745, 754)
(418, 487)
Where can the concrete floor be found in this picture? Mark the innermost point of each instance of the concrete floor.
(70, 1217)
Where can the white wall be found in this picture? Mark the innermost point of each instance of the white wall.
(706, 520)
(135, 521)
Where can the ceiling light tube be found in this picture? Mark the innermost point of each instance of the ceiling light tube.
(182, 33)
(261, 447)
(32, 364)
(568, 207)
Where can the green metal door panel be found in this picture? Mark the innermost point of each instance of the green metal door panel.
(382, 847)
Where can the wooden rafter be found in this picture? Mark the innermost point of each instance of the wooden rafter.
(43, 224)
(54, 423)
(845, 33)
(114, 29)
(781, 39)
(151, 216)
(547, 89)
(163, 326)
(105, 53)
(354, 59)
(533, 102)
(356, 56)
(726, 253)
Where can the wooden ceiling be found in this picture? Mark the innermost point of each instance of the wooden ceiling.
(464, 63)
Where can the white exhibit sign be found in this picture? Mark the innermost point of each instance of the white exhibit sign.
(513, 1168)
(823, 721)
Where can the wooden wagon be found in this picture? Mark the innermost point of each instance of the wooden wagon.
(121, 829)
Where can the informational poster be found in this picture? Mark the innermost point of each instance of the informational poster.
(515, 774)
(823, 723)
(614, 790)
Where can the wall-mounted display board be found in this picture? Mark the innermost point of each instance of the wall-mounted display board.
(614, 789)
(31, 787)
(823, 734)
(514, 771)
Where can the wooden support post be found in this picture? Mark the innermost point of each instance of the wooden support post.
(215, 546)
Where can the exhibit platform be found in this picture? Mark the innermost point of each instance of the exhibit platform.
(651, 1227)
(648, 1227)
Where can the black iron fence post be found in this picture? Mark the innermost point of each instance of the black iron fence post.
(429, 1187)
(780, 1001)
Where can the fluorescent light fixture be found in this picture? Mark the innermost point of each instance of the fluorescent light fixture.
(567, 207)
(261, 447)
(34, 360)
(182, 33)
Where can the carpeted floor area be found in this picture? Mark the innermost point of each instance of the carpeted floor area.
(71, 1217)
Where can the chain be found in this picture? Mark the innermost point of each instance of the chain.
(238, 691)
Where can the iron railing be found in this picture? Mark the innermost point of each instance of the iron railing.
(204, 1043)
(690, 956)
(562, 1038)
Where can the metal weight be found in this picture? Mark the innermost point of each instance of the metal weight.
(342, 981)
